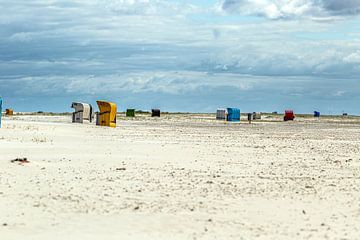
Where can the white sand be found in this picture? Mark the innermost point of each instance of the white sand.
(185, 177)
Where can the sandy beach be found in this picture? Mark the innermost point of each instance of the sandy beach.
(181, 176)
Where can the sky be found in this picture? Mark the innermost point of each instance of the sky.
(181, 56)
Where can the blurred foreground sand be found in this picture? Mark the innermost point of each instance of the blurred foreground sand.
(180, 177)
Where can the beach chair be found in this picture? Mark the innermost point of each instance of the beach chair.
(0, 110)
(155, 112)
(130, 112)
(9, 112)
(289, 115)
(233, 115)
(83, 111)
(256, 115)
(107, 114)
(221, 114)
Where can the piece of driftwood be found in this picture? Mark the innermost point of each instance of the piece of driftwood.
(20, 160)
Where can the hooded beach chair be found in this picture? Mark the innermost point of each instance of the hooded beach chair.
(155, 112)
(233, 115)
(289, 115)
(107, 114)
(221, 114)
(9, 112)
(130, 112)
(256, 115)
(0, 110)
(83, 111)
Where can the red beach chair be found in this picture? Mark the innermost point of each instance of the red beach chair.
(289, 115)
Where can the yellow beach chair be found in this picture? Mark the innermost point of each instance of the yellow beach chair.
(107, 114)
(9, 112)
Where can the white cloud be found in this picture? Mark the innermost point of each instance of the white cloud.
(146, 7)
(21, 37)
(166, 82)
(353, 57)
(339, 93)
(276, 9)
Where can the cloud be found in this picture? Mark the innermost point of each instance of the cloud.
(146, 7)
(285, 9)
(341, 7)
(160, 50)
(353, 58)
(339, 93)
(166, 82)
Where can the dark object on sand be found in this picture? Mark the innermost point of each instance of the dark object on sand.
(20, 160)
(155, 112)
(289, 115)
(345, 114)
(316, 114)
(250, 116)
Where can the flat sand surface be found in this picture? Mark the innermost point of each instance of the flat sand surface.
(180, 177)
